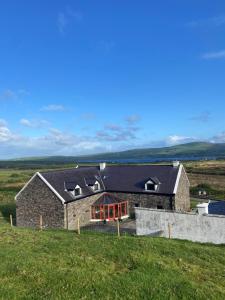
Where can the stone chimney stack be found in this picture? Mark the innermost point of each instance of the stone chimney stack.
(176, 163)
(102, 166)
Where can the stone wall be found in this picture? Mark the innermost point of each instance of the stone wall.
(182, 197)
(188, 226)
(79, 209)
(146, 200)
(35, 200)
(82, 208)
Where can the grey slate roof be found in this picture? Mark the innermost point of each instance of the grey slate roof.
(107, 198)
(130, 179)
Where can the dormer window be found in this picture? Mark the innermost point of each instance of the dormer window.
(92, 183)
(72, 188)
(96, 186)
(152, 185)
(77, 191)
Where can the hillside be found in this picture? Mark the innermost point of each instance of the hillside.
(185, 151)
(62, 265)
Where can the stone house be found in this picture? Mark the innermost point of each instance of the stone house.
(100, 193)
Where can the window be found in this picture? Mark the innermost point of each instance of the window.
(77, 191)
(159, 207)
(136, 204)
(150, 186)
(109, 211)
(96, 186)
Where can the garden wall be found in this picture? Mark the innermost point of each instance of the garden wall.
(188, 226)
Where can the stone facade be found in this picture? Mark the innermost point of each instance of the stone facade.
(79, 209)
(182, 197)
(146, 200)
(35, 200)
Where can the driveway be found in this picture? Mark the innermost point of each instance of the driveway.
(126, 226)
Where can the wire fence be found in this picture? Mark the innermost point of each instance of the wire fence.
(8, 219)
(116, 227)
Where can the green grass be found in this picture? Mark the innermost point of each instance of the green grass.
(62, 265)
(211, 192)
(57, 264)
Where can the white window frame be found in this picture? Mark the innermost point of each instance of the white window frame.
(96, 183)
(73, 192)
(151, 182)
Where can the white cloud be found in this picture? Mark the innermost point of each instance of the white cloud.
(53, 107)
(132, 119)
(66, 17)
(5, 134)
(3, 123)
(219, 138)
(62, 22)
(117, 133)
(177, 139)
(214, 55)
(88, 116)
(34, 123)
(56, 142)
(113, 127)
(9, 94)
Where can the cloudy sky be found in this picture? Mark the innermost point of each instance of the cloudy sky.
(79, 77)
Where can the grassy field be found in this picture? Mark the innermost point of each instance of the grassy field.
(62, 265)
(209, 175)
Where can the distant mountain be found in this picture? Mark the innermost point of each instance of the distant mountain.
(190, 151)
(195, 149)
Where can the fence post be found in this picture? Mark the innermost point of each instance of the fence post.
(118, 228)
(11, 220)
(41, 222)
(78, 225)
(169, 230)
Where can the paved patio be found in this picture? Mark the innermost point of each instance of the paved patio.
(126, 226)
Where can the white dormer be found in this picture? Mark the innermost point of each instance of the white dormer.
(96, 186)
(151, 186)
(77, 191)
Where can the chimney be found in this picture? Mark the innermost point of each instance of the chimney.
(203, 208)
(176, 163)
(102, 166)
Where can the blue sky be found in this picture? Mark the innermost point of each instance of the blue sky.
(79, 77)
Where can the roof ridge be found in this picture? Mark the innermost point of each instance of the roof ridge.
(67, 169)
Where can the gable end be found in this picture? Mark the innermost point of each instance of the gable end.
(45, 181)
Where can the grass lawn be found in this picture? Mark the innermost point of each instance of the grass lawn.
(57, 264)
